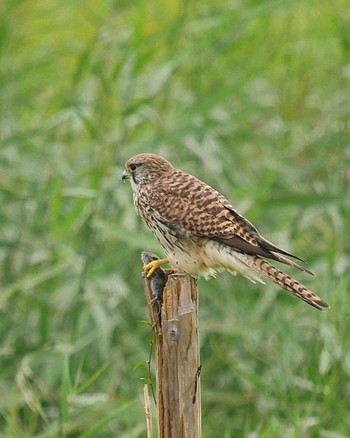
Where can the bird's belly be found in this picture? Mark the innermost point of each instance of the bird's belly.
(187, 260)
(191, 256)
(185, 253)
(182, 249)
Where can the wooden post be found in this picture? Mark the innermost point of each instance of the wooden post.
(177, 357)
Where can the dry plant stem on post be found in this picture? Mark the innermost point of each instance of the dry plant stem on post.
(177, 357)
(148, 411)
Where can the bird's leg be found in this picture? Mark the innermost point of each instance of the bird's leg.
(169, 271)
(153, 265)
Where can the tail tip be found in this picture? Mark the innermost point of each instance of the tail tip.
(321, 305)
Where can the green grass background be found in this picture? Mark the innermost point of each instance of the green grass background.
(251, 96)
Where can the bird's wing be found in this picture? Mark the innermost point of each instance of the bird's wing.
(186, 203)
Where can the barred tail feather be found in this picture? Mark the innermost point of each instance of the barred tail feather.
(285, 282)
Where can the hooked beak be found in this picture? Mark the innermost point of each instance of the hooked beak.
(125, 175)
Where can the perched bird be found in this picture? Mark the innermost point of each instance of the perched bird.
(199, 230)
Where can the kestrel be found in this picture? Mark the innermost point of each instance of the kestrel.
(199, 230)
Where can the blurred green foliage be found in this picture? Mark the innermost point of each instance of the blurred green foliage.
(253, 97)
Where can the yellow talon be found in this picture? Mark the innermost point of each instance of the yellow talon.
(153, 265)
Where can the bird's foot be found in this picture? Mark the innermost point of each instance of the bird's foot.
(153, 265)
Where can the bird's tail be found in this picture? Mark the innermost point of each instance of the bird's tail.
(266, 270)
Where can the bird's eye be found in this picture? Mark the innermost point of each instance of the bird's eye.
(133, 167)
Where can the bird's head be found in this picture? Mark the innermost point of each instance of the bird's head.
(145, 168)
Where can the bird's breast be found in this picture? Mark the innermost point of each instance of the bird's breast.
(185, 251)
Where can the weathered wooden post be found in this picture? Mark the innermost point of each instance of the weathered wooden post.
(177, 357)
